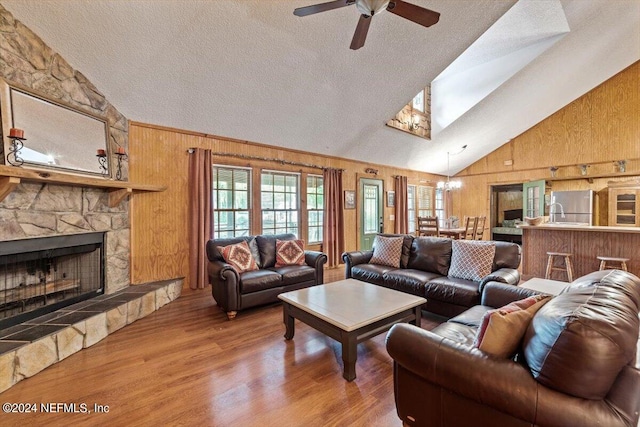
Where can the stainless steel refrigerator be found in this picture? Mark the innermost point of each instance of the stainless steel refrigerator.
(576, 205)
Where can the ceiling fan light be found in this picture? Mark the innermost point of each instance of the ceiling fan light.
(371, 7)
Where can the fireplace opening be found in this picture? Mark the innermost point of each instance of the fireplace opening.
(44, 274)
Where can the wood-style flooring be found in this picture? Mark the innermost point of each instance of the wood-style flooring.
(187, 365)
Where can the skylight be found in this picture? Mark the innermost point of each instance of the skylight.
(525, 32)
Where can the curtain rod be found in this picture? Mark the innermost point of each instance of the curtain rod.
(266, 159)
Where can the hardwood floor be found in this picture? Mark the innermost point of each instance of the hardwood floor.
(187, 365)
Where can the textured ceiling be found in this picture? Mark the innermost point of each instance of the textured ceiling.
(250, 69)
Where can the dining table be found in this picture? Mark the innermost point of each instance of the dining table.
(454, 233)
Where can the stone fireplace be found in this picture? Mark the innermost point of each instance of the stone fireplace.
(43, 274)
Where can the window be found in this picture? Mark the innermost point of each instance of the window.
(231, 190)
(411, 208)
(425, 201)
(418, 101)
(440, 208)
(315, 207)
(279, 196)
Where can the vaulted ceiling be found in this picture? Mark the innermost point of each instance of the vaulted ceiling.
(251, 70)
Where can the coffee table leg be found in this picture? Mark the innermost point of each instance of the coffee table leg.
(418, 314)
(349, 356)
(289, 322)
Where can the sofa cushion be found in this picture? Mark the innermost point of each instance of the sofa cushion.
(461, 334)
(460, 292)
(371, 273)
(239, 257)
(258, 280)
(507, 255)
(296, 273)
(289, 252)
(502, 329)
(253, 247)
(387, 251)
(471, 260)
(580, 340)
(408, 280)
(471, 317)
(267, 247)
(432, 254)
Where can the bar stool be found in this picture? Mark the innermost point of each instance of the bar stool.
(568, 268)
(605, 259)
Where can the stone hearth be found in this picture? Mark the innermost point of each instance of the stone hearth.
(30, 347)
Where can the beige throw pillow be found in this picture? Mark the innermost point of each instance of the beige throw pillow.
(471, 260)
(387, 251)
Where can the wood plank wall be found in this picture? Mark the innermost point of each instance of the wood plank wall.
(159, 222)
(598, 129)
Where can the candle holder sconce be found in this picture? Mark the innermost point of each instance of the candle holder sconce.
(102, 161)
(121, 157)
(13, 157)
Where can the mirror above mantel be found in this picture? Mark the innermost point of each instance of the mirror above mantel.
(56, 135)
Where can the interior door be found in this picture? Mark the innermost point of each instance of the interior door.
(371, 205)
(533, 198)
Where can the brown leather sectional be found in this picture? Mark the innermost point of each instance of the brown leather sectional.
(234, 292)
(577, 365)
(423, 272)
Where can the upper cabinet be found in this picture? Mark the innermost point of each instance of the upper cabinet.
(623, 203)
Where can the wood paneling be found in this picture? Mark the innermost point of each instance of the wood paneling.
(598, 129)
(159, 222)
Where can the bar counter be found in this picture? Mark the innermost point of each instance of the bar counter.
(585, 242)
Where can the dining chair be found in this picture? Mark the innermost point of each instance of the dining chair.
(479, 234)
(470, 227)
(428, 226)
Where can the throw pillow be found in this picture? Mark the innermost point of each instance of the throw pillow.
(387, 251)
(239, 256)
(289, 252)
(502, 329)
(471, 260)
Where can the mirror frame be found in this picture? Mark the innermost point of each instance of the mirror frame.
(6, 111)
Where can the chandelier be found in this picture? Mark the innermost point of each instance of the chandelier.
(449, 185)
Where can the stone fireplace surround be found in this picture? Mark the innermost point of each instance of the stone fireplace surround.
(41, 209)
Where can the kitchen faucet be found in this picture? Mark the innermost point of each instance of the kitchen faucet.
(551, 205)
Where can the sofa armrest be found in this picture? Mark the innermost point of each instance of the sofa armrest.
(510, 276)
(495, 294)
(225, 284)
(499, 383)
(354, 258)
(316, 260)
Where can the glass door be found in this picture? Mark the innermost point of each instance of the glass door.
(371, 211)
(533, 198)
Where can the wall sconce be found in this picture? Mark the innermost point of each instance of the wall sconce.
(371, 170)
(13, 156)
(553, 170)
(102, 161)
(583, 169)
(622, 165)
(121, 156)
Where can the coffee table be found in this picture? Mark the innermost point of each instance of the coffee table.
(349, 311)
(546, 286)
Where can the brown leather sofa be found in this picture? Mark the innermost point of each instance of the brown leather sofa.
(234, 292)
(577, 365)
(423, 272)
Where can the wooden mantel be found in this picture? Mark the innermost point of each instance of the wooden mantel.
(11, 176)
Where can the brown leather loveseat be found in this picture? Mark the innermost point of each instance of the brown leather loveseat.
(577, 364)
(424, 271)
(235, 291)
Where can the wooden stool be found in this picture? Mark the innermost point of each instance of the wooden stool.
(567, 263)
(605, 259)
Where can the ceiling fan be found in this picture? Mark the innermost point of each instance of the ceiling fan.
(369, 8)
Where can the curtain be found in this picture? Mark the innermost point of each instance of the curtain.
(333, 225)
(401, 210)
(200, 215)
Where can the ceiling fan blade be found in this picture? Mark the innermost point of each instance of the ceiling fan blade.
(322, 7)
(417, 14)
(361, 32)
